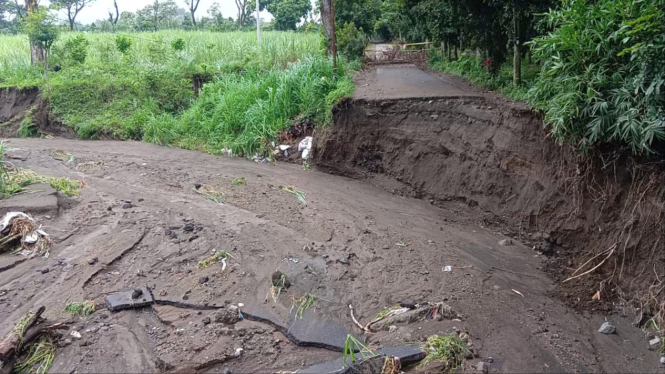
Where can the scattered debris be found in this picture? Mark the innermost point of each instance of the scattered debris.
(662, 362)
(75, 334)
(447, 268)
(505, 242)
(81, 308)
(305, 146)
(447, 349)
(395, 315)
(278, 282)
(517, 292)
(300, 304)
(607, 328)
(238, 352)
(123, 300)
(596, 296)
(217, 256)
(211, 193)
(655, 343)
(18, 231)
(300, 195)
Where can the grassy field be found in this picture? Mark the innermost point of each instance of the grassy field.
(145, 92)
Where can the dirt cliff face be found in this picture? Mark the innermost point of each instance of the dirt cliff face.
(494, 156)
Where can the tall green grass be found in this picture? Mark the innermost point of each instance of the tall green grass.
(255, 89)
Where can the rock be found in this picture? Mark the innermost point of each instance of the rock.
(140, 199)
(204, 279)
(489, 360)
(84, 343)
(66, 342)
(205, 320)
(607, 328)
(408, 304)
(137, 293)
(75, 334)
(93, 261)
(127, 206)
(654, 343)
(505, 242)
(276, 279)
(226, 316)
(188, 227)
(45, 270)
(197, 185)
(226, 371)
(483, 367)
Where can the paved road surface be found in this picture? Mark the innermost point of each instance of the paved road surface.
(404, 81)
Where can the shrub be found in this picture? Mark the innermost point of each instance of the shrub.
(123, 44)
(603, 73)
(76, 49)
(351, 41)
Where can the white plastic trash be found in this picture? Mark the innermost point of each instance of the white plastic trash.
(284, 147)
(447, 268)
(305, 144)
(305, 154)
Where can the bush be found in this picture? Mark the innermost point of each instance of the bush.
(123, 44)
(603, 73)
(351, 41)
(76, 49)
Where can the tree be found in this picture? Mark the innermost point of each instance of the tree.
(114, 20)
(73, 7)
(36, 52)
(242, 6)
(43, 32)
(362, 13)
(193, 5)
(287, 13)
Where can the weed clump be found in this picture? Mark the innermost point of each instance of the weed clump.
(447, 349)
(81, 308)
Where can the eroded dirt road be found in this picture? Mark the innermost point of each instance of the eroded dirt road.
(346, 235)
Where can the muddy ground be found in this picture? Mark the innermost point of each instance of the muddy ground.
(430, 192)
(347, 233)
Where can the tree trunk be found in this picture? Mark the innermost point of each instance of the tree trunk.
(48, 86)
(517, 56)
(328, 24)
(193, 19)
(334, 36)
(36, 52)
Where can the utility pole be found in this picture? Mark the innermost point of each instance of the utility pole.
(258, 23)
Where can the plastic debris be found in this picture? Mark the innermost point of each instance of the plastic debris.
(305, 147)
(238, 352)
(447, 268)
(284, 147)
(20, 230)
(75, 334)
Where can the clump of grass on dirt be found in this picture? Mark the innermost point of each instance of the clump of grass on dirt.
(39, 358)
(302, 303)
(447, 349)
(300, 195)
(351, 345)
(19, 329)
(275, 290)
(216, 257)
(239, 181)
(385, 312)
(211, 193)
(81, 308)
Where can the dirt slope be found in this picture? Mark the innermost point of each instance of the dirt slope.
(346, 234)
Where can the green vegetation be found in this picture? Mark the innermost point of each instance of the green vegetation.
(239, 181)
(81, 308)
(27, 127)
(39, 358)
(300, 304)
(215, 258)
(14, 180)
(295, 192)
(351, 346)
(447, 349)
(385, 312)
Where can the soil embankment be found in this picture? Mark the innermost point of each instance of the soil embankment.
(492, 155)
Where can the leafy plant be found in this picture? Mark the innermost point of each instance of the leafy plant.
(447, 349)
(603, 75)
(27, 127)
(81, 308)
(77, 49)
(351, 41)
(296, 192)
(39, 358)
(300, 304)
(239, 181)
(216, 257)
(178, 44)
(123, 44)
(351, 345)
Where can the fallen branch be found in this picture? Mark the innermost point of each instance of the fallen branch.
(12, 341)
(595, 267)
(355, 320)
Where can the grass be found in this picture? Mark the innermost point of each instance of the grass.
(14, 180)
(447, 349)
(470, 67)
(81, 308)
(211, 193)
(276, 289)
(300, 195)
(239, 181)
(215, 258)
(19, 329)
(351, 345)
(39, 358)
(300, 304)
(254, 90)
(385, 312)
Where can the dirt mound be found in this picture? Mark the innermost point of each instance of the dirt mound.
(18, 104)
(605, 211)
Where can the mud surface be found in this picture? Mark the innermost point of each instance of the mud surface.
(602, 213)
(139, 222)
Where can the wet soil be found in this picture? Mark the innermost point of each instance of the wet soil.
(354, 243)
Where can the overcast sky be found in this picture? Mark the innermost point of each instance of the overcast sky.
(98, 9)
